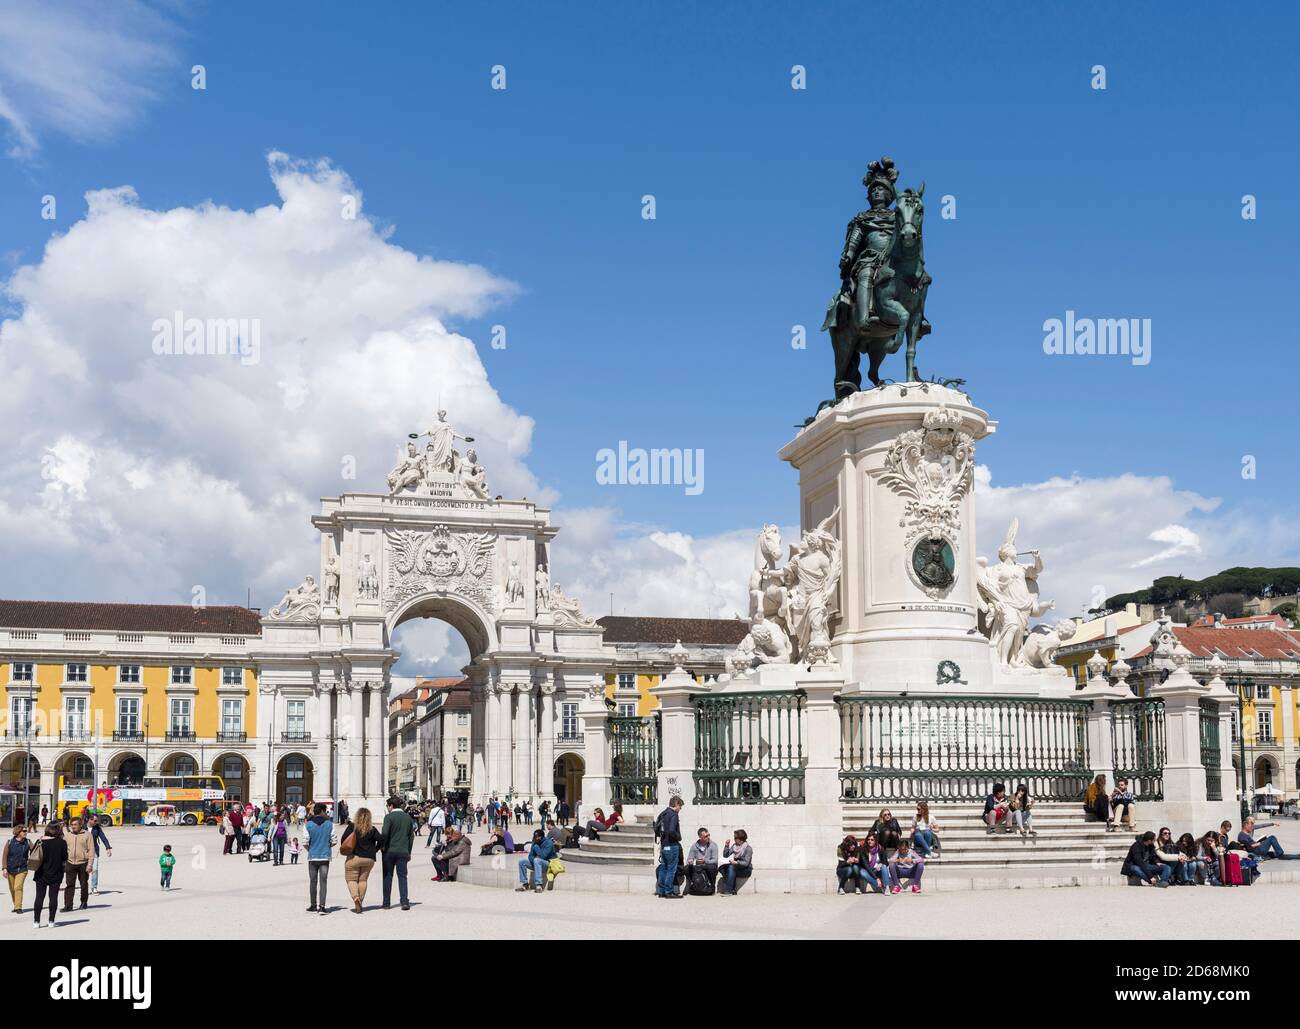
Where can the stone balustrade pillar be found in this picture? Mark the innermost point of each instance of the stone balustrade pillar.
(677, 735)
(595, 749)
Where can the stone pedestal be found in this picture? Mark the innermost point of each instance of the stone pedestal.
(595, 751)
(1185, 801)
(899, 463)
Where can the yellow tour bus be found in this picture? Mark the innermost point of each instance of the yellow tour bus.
(192, 800)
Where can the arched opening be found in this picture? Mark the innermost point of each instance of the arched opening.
(569, 769)
(12, 775)
(126, 769)
(179, 763)
(75, 768)
(233, 770)
(1265, 771)
(294, 780)
(438, 636)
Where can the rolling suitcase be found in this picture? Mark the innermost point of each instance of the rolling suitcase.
(1230, 873)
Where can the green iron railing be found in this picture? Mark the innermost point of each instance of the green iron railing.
(749, 748)
(636, 749)
(956, 747)
(1211, 754)
(1137, 734)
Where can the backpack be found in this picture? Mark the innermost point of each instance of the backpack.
(700, 883)
(36, 855)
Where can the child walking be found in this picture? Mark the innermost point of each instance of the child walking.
(295, 847)
(166, 862)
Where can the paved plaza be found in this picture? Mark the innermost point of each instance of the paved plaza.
(216, 896)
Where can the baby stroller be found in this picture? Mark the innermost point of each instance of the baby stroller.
(258, 847)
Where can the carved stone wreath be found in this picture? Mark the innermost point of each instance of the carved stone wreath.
(441, 562)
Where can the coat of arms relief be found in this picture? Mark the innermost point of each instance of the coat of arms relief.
(439, 561)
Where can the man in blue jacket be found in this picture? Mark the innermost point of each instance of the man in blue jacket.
(97, 837)
(539, 856)
(320, 841)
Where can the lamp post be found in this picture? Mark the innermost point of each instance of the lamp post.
(1241, 746)
(27, 731)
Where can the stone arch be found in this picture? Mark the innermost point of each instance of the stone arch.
(125, 767)
(11, 769)
(569, 770)
(1266, 770)
(295, 779)
(76, 766)
(465, 616)
(237, 786)
(169, 764)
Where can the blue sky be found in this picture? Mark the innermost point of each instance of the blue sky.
(676, 332)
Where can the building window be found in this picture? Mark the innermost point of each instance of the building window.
(627, 710)
(180, 722)
(1264, 719)
(627, 680)
(462, 718)
(1262, 691)
(462, 745)
(297, 717)
(232, 717)
(182, 675)
(128, 715)
(462, 773)
(23, 707)
(295, 768)
(22, 672)
(185, 765)
(232, 677)
(76, 673)
(568, 720)
(232, 768)
(128, 674)
(75, 721)
(1236, 725)
(83, 768)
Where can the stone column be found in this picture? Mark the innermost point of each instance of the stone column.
(1185, 802)
(819, 826)
(376, 757)
(501, 771)
(324, 731)
(477, 740)
(351, 786)
(677, 729)
(595, 747)
(1218, 690)
(546, 746)
(1098, 689)
(520, 773)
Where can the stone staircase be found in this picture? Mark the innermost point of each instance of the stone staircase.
(631, 849)
(1064, 836)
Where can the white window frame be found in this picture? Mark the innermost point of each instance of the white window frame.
(76, 671)
(232, 675)
(462, 745)
(185, 707)
(1264, 722)
(226, 703)
(129, 706)
(80, 721)
(295, 717)
(21, 724)
(568, 720)
(22, 671)
(626, 680)
(182, 675)
(129, 675)
(627, 710)
(1263, 691)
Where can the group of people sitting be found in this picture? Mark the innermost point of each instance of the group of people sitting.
(885, 857)
(1216, 859)
(1114, 807)
(541, 863)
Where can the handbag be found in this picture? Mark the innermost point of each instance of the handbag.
(36, 855)
(554, 867)
(349, 844)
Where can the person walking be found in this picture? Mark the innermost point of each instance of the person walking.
(668, 832)
(97, 837)
(341, 809)
(397, 838)
(279, 839)
(320, 841)
(49, 874)
(14, 864)
(360, 844)
(80, 853)
(166, 862)
(437, 821)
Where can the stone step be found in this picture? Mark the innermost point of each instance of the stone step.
(611, 860)
(601, 847)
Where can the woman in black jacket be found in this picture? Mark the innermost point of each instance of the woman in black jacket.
(886, 830)
(49, 874)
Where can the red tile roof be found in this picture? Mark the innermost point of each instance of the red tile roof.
(1276, 621)
(1268, 644)
(667, 631)
(169, 618)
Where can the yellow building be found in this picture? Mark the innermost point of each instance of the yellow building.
(114, 693)
(641, 647)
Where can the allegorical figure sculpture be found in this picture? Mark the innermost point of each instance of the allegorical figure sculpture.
(790, 607)
(409, 471)
(1008, 598)
(880, 305)
(300, 603)
(332, 581)
(367, 579)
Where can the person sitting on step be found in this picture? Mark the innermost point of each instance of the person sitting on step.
(742, 861)
(997, 808)
(887, 831)
(906, 864)
(1121, 799)
(1261, 849)
(1096, 800)
(848, 866)
(925, 830)
(1141, 862)
(875, 864)
(1022, 813)
(536, 863)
